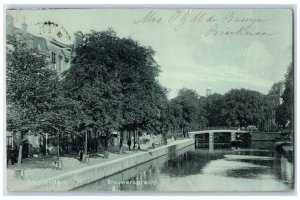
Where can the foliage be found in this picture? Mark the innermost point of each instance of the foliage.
(288, 93)
(112, 85)
(213, 105)
(243, 107)
(186, 111)
(114, 81)
(285, 113)
(31, 88)
(34, 102)
(142, 95)
(276, 88)
(93, 81)
(281, 115)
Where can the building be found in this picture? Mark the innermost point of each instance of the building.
(58, 54)
(273, 100)
(59, 57)
(208, 92)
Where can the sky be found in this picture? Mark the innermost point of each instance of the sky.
(221, 49)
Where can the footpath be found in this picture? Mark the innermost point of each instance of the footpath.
(40, 176)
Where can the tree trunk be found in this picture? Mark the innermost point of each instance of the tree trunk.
(121, 139)
(20, 154)
(164, 135)
(139, 142)
(46, 144)
(106, 145)
(99, 142)
(90, 141)
(58, 145)
(121, 143)
(106, 141)
(134, 138)
(85, 143)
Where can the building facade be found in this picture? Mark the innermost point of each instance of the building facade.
(59, 57)
(208, 92)
(58, 54)
(273, 100)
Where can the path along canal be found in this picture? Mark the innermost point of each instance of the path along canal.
(257, 168)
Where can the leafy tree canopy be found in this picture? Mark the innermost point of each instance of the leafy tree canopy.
(243, 107)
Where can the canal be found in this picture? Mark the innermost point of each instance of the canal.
(257, 168)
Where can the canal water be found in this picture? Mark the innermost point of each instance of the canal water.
(257, 168)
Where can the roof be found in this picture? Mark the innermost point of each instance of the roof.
(38, 43)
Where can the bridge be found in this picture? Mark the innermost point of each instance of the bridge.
(219, 138)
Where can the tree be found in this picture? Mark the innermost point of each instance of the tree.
(175, 114)
(276, 88)
(288, 93)
(187, 110)
(281, 116)
(60, 120)
(242, 108)
(93, 81)
(156, 116)
(202, 120)
(114, 79)
(213, 105)
(31, 90)
(142, 95)
(285, 113)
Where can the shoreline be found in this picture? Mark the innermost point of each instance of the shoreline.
(76, 178)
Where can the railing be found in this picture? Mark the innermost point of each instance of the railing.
(175, 135)
(218, 128)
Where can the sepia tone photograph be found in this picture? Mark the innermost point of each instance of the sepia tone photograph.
(149, 100)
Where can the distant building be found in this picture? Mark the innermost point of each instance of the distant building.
(208, 92)
(274, 100)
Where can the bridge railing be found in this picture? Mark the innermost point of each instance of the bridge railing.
(219, 128)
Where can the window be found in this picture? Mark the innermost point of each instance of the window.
(53, 58)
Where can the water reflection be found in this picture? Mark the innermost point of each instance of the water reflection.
(284, 170)
(255, 169)
(246, 173)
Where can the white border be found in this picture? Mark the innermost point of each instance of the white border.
(139, 4)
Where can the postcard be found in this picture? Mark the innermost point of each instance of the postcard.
(159, 100)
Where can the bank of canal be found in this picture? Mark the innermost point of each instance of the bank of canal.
(89, 174)
(258, 168)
